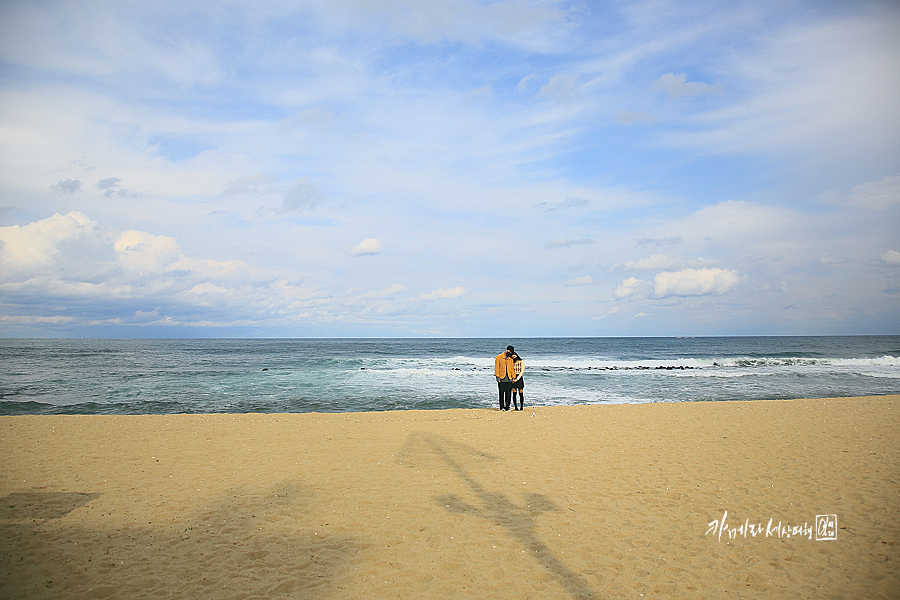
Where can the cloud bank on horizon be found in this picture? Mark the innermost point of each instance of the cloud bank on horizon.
(453, 168)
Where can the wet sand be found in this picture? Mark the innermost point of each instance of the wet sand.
(602, 501)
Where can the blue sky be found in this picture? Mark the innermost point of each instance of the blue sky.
(449, 168)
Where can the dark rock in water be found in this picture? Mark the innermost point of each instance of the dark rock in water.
(265, 369)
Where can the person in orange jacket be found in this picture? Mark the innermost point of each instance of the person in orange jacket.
(505, 373)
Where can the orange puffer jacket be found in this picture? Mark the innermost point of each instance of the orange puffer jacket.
(504, 367)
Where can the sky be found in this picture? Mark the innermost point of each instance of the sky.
(512, 168)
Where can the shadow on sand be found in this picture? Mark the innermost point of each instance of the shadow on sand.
(519, 521)
(31, 506)
(239, 545)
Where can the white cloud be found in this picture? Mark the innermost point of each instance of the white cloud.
(376, 303)
(585, 280)
(29, 250)
(566, 243)
(694, 282)
(247, 185)
(110, 187)
(141, 252)
(107, 183)
(303, 194)
(444, 293)
(667, 241)
(677, 86)
(877, 195)
(825, 87)
(66, 186)
(745, 223)
(891, 257)
(659, 262)
(560, 88)
(629, 287)
(571, 202)
(627, 117)
(778, 286)
(73, 249)
(388, 292)
(523, 83)
(368, 247)
(510, 21)
(832, 259)
(118, 277)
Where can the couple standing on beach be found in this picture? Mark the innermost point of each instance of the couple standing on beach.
(508, 369)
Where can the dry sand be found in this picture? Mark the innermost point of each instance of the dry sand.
(568, 502)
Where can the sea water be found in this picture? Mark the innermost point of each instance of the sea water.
(154, 376)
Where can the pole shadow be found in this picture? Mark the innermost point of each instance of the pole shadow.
(519, 521)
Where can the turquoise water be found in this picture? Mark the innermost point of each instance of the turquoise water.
(145, 376)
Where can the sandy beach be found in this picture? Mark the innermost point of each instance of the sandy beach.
(686, 500)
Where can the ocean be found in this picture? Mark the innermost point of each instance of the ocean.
(168, 376)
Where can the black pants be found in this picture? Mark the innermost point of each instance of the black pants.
(505, 388)
(521, 404)
(519, 386)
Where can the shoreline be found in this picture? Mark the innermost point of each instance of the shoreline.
(601, 500)
(488, 408)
